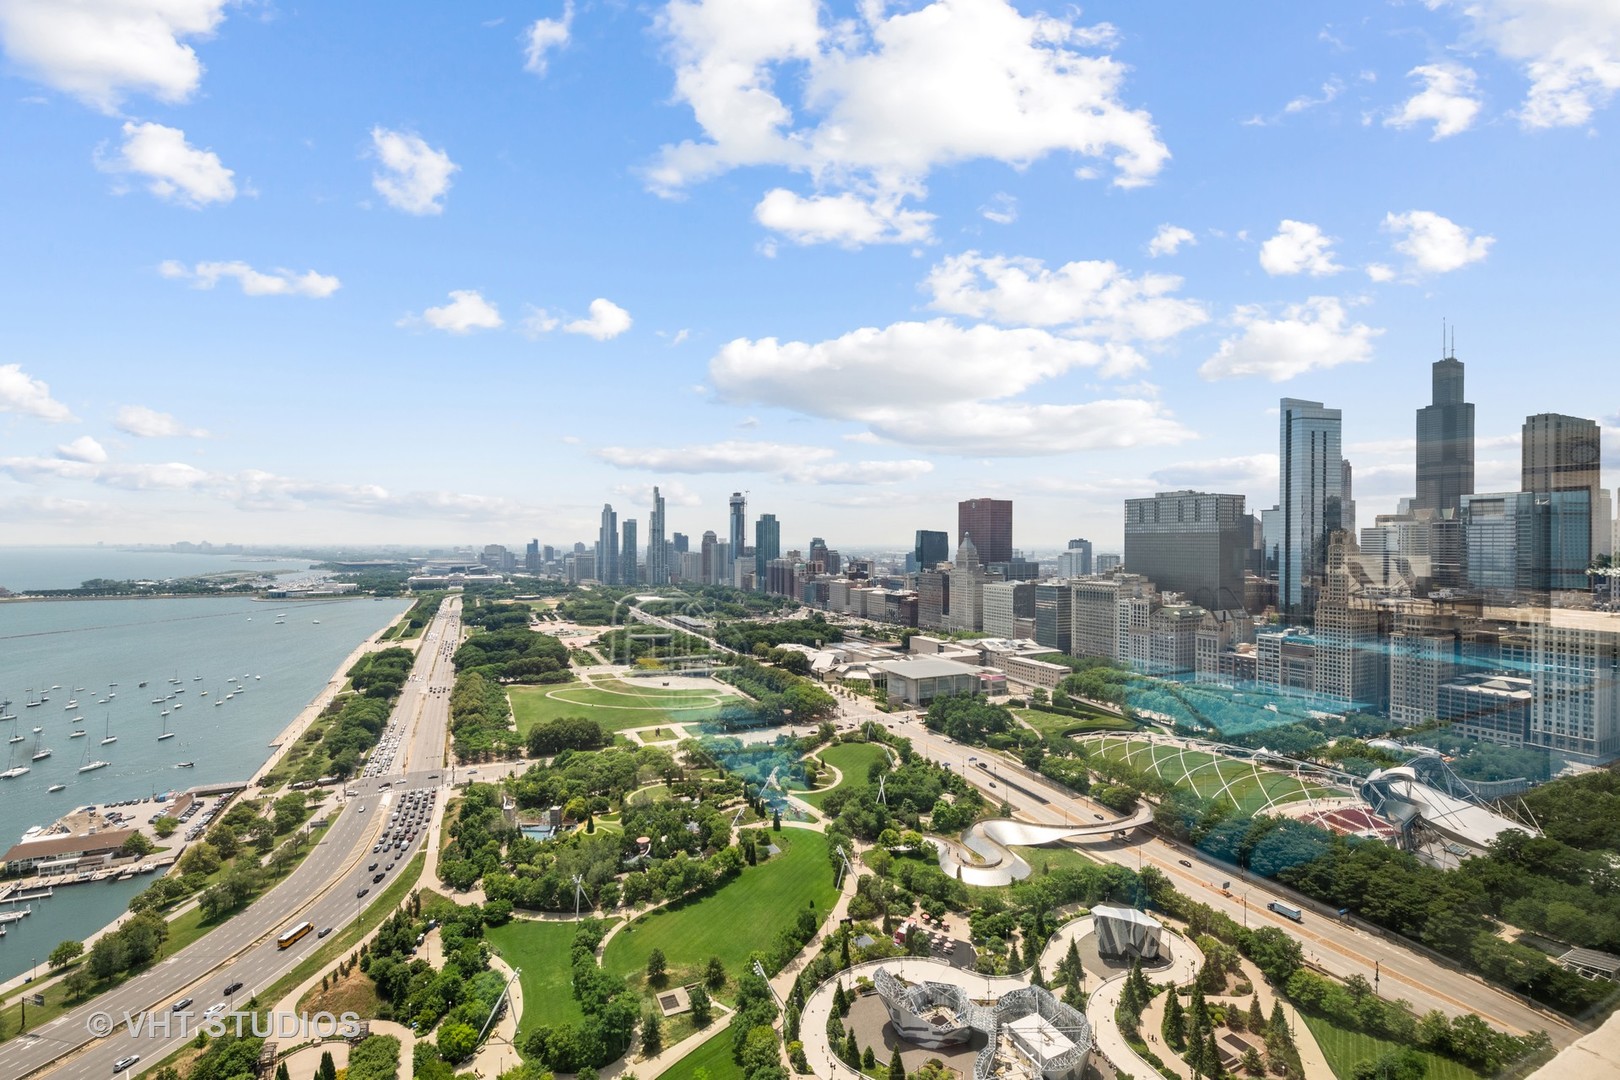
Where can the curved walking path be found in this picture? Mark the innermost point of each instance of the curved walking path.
(984, 855)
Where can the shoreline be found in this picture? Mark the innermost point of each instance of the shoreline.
(279, 746)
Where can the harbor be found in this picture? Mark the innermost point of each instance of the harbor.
(116, 763)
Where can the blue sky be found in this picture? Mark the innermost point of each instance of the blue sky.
(460, 273)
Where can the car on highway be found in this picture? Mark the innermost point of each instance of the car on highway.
(361, 894)
(324, 931)
(181, 1004)
(362, 809)
(378, 876)
(373, 866)
(125, 1062)
(233, 988)
(213, 1011)
(1185, 862)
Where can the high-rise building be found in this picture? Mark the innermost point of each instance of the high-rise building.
(1054, 616)
(966, 613)
(1445, 442)
(657, 548)
(767, 546)
(711, 569)
(1574, 663)
(1094, 613)
(932, 548)
(738, 537)
(531, 557)
(1536, 541)
(933, 599)
(990, 523)
(681, 543)
(1351, 666)
(1108, 562)
(1310, 496)
(1076, 561)
(607, 547)
(1564, 453)
(629, 560)
(818, 552)
(1191, 542)
(1009, 609)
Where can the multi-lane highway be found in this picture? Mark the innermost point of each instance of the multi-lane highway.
(322, 890)
(1336, 947)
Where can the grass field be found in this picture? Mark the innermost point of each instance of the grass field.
(744, 915)
(1056, 725)
(615, 712)
(1344, 1048)
(713, 1057)
(1251, 787)
(851, 759)
(540, 950)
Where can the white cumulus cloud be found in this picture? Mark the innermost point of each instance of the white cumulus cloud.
(786, 461)
(467, 311)
(1435, 244)
(84, 448)
(1299, 248)
(1312, 336)
(545, 36)
(846, 219)
(99, 51)
(148, 423)
(1569, 50)
(277, 282)
(1448, 100)
(174, 169)
(1169, 239)
(607, 320)
(25, 395)
(414, 176)
(1094, 299)
(873, 104)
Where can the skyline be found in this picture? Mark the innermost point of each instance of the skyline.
(596, 266)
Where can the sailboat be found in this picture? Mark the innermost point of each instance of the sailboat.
(77, 734)
(14, 770)
(56, 787)
(73, 703)
(92, 766)
(111, 738)
(40, 752)
(4, 705)
(167, 734)
(32, 703)
(185, 764)
(15, 738)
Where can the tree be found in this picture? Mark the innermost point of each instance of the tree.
(852, 1050)
(776, 820)
(281, 1072)
(897, 1068)
(714, 973)
(327, 1069)
(702, 1007)
(137, 845)
(656, 970)
(1252, 1063)
(1175, 1019)
(65, 953)
(457, 1042)
(165, 827)
(652, 1036)
(868, 1059)
(1257, 1019)
(78, 984)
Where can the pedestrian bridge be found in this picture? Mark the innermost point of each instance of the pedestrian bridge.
(983, 855)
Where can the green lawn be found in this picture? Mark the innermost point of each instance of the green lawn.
(1056, 725)
(744, 915)
(852, 759)
(1252, 788)
(540, 950)
(615, 712)
(713, 1056)
(1344, 1048)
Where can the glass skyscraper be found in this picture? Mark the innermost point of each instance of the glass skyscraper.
(1310, 498)
(1445, 442)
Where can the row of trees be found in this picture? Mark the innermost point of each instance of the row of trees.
(782, 696)
(481, 718)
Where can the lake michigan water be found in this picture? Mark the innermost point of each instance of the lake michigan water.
(26, 568)
(95, 643)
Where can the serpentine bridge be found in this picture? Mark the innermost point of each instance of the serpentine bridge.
(984, 855)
